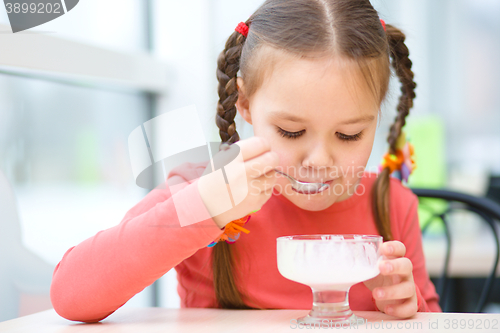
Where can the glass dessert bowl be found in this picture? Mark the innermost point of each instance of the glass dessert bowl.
(330, 265)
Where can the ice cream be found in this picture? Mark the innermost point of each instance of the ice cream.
(328, 262)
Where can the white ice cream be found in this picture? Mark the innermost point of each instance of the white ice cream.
(323, 264)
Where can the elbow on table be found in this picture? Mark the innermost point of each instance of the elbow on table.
(66, 306)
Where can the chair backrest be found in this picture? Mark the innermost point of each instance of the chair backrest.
(488, 210)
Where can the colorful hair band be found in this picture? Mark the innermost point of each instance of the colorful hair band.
(242, 28)
(402, 163)
(232, 230)
(383, 23)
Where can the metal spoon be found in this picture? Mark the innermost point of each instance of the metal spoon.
(305, 188)
(301, 187)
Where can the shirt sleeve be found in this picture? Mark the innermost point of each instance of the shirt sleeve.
(99, 275)
(411, 236)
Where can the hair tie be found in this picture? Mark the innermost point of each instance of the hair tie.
(242, 28)
(402, 163)
(383, 23)
(232, 230)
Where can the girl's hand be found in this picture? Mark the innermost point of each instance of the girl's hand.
(252, 179)
(394, 289)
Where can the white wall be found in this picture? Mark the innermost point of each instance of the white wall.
(114, 24)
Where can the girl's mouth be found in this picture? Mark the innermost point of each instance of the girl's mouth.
(313, 190)
(303, 187)
(324, 182)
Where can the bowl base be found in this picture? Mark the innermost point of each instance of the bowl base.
(332, 322)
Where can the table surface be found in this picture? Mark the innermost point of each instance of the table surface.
(148, 320)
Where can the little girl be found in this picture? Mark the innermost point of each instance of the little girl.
(313, 76)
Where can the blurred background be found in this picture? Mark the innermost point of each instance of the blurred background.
(63, 142)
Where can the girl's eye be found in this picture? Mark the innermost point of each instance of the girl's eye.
(290, 135)
(354, 137)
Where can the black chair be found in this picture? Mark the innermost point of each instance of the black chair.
(487, 209)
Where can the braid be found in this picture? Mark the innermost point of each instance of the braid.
(228, 64)
(402, 64)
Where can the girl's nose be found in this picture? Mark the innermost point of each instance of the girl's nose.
(319, 155)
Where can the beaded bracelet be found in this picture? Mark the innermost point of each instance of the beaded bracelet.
(232, 230)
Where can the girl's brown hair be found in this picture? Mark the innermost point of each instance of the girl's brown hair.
(309, 28)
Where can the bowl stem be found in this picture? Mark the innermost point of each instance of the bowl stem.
(330, 306)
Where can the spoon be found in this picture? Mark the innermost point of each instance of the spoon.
(305, 188)
(298, 186)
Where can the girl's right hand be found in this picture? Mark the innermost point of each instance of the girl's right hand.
(256, 172)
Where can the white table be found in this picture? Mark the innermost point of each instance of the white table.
(162, 320)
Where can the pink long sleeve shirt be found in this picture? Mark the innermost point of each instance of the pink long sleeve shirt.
(99, 275)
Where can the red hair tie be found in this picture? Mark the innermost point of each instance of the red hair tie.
(383, 23)
(242, 28)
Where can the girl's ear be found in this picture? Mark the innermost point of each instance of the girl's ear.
(243, 104)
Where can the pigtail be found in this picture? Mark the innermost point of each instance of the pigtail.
(402, 66)
(228, 63)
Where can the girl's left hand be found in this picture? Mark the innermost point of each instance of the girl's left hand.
(394, 289)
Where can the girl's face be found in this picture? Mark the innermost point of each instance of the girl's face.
(320, 116)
